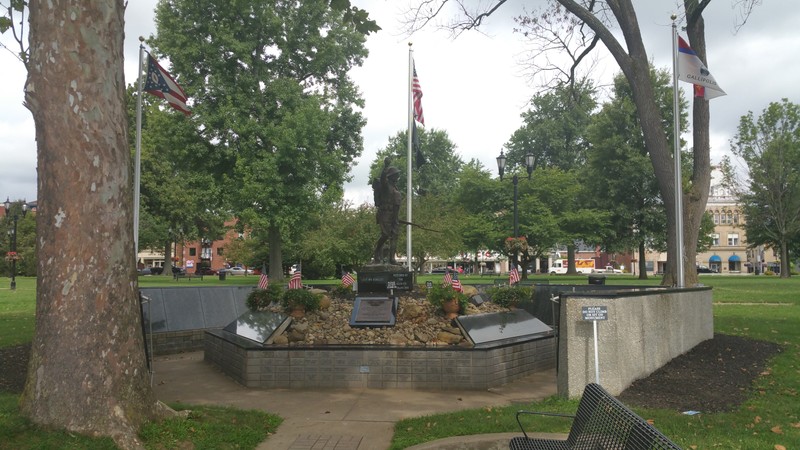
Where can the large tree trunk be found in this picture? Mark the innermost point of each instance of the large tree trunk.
(87, 371)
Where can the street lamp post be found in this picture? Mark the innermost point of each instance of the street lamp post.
(501, 167)
(7, 205)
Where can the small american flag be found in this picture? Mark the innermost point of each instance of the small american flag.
(448, 279)
(296, 282)
(416, 89)
(457, 283)
(263, 281)
(347, 279)
(513, 276)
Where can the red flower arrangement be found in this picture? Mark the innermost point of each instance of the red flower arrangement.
(12, 256)
(516, 245)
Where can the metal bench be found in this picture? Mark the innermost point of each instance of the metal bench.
(601, 421)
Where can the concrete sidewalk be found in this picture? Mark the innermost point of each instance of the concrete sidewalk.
(339, 419)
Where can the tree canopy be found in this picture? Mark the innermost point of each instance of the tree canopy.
(271, 91)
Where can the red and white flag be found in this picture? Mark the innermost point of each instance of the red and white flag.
(347, 279)
(296, 282)
(448, 279)
(457, 284)
(692, 70)
(513, 276)
(263, 281)
(161, 84)
(416, 90)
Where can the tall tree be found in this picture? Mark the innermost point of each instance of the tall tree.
(620, 174)
(554, 129)
(87, 370)
(438, 176)
(770, 148)
(574, 28)
(271, 89)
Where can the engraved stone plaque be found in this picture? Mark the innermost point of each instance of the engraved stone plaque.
(374, 311)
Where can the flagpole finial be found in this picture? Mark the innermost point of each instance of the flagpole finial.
(141, 38)
(410, 44)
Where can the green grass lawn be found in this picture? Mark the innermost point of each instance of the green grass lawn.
(766, 308)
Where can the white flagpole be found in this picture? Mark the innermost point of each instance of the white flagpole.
(138, 159)
(409, 158)
(677, 158)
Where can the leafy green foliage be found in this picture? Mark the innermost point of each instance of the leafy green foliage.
(271, 90)
(509, 296)
(300, 298)
(770, 147)
(261, 298)
(439, 294)
(554, 129)
(619, 174)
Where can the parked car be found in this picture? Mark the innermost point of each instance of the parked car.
(237, 271)
(180, 270)
(205, 271)
(607, 269)
(442, 270)
(147, 271)
(705, 269)
(156, 270)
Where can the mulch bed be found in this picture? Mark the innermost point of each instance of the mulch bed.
(717, 375)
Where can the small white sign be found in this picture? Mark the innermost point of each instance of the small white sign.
(189, 263)
(594, 312)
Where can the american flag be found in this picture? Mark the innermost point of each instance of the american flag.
(347, 279)
(448, 279)
(457, 283)
(296, 282)
(263, 281)
(416, 89)
(513, 276)
(161, 84)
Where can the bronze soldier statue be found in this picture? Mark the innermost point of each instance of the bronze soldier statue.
(387, 203)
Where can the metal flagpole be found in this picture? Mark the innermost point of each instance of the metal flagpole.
(410, 144)
(138, 159)
(677, 158)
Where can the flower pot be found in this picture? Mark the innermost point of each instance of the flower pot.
(451, 308)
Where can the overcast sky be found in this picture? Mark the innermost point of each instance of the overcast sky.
(474, 86)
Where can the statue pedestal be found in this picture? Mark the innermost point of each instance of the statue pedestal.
(384, 278)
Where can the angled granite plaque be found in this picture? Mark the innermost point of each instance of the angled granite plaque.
(374, 311)
(259, 326)
(502, 326)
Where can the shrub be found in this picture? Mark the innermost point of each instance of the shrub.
(300, 298)
(439, 294)
(342, 291)
(262, 298)
(508, 296)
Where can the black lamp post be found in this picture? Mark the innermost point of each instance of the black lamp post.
(7, 205)
(501, 167)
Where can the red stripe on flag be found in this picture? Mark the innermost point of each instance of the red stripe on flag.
(416, 89)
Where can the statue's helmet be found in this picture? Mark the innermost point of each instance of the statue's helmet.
(392, 171)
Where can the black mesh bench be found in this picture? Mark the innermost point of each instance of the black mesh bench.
(601, 422)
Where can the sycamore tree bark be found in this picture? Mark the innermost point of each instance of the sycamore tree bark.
(87, 371)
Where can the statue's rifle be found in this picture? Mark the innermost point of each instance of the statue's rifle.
(418, 226)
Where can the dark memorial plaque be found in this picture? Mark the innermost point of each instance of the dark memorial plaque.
(374, 311)
(379, 282)
(259, 326)
(503, 326)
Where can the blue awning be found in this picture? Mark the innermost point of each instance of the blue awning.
(734, 258)
(715, 258)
